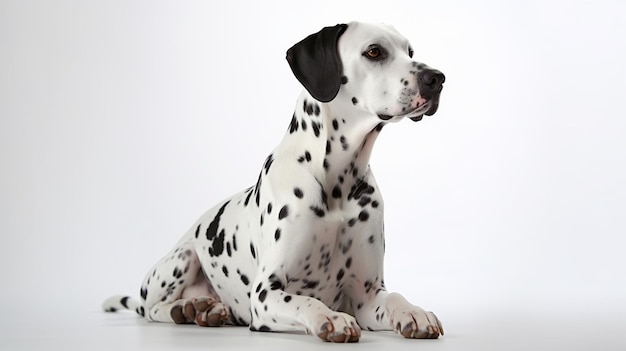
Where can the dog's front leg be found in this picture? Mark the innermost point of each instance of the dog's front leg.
(274, 309)
(381, 310)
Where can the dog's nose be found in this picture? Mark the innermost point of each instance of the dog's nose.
(430, 82)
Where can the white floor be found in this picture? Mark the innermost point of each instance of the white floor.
(574, 327)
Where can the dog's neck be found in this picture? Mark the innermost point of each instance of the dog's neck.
(338, 139)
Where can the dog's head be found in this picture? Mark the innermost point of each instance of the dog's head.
(371, 67)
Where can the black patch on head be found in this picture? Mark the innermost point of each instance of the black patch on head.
(316, 64)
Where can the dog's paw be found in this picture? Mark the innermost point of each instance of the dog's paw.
(416, 324)
(338, 327)
(205, 312)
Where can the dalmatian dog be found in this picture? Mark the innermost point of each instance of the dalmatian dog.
(302, 249)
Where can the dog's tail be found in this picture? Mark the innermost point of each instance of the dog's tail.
(119, 302)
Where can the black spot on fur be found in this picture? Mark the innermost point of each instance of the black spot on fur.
(344, 143)
(336, 192)
(265, 329)
(371, 239)
(284, 212)
(293, 126)
(316, 129)
(340, 274)
(335, 124)
(245, 203)
(218, 245)
(262, 295)
(211, 230)
(361, 188)
(124, 301)
(355, 101)
(363, 216)
(344, 80)
(287, 298)
(225, 270)
(268, 163)
(364, 201)
(252, 251)
(198, 230)
(349, 262)
(318, 211)
(298, 192)
(275, 283)
(245, 279)
(310, 284)
(277, 234)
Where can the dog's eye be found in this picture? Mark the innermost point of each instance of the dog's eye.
(375, 52)
(410, 52)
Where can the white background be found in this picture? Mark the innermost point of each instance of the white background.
(122, 121)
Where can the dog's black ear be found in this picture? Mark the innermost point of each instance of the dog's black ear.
(316, 64)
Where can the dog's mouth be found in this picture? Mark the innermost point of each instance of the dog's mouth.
(429, 108)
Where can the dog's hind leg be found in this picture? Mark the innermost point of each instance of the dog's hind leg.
(177, 290)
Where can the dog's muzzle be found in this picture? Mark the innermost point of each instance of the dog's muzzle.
(430, 83)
